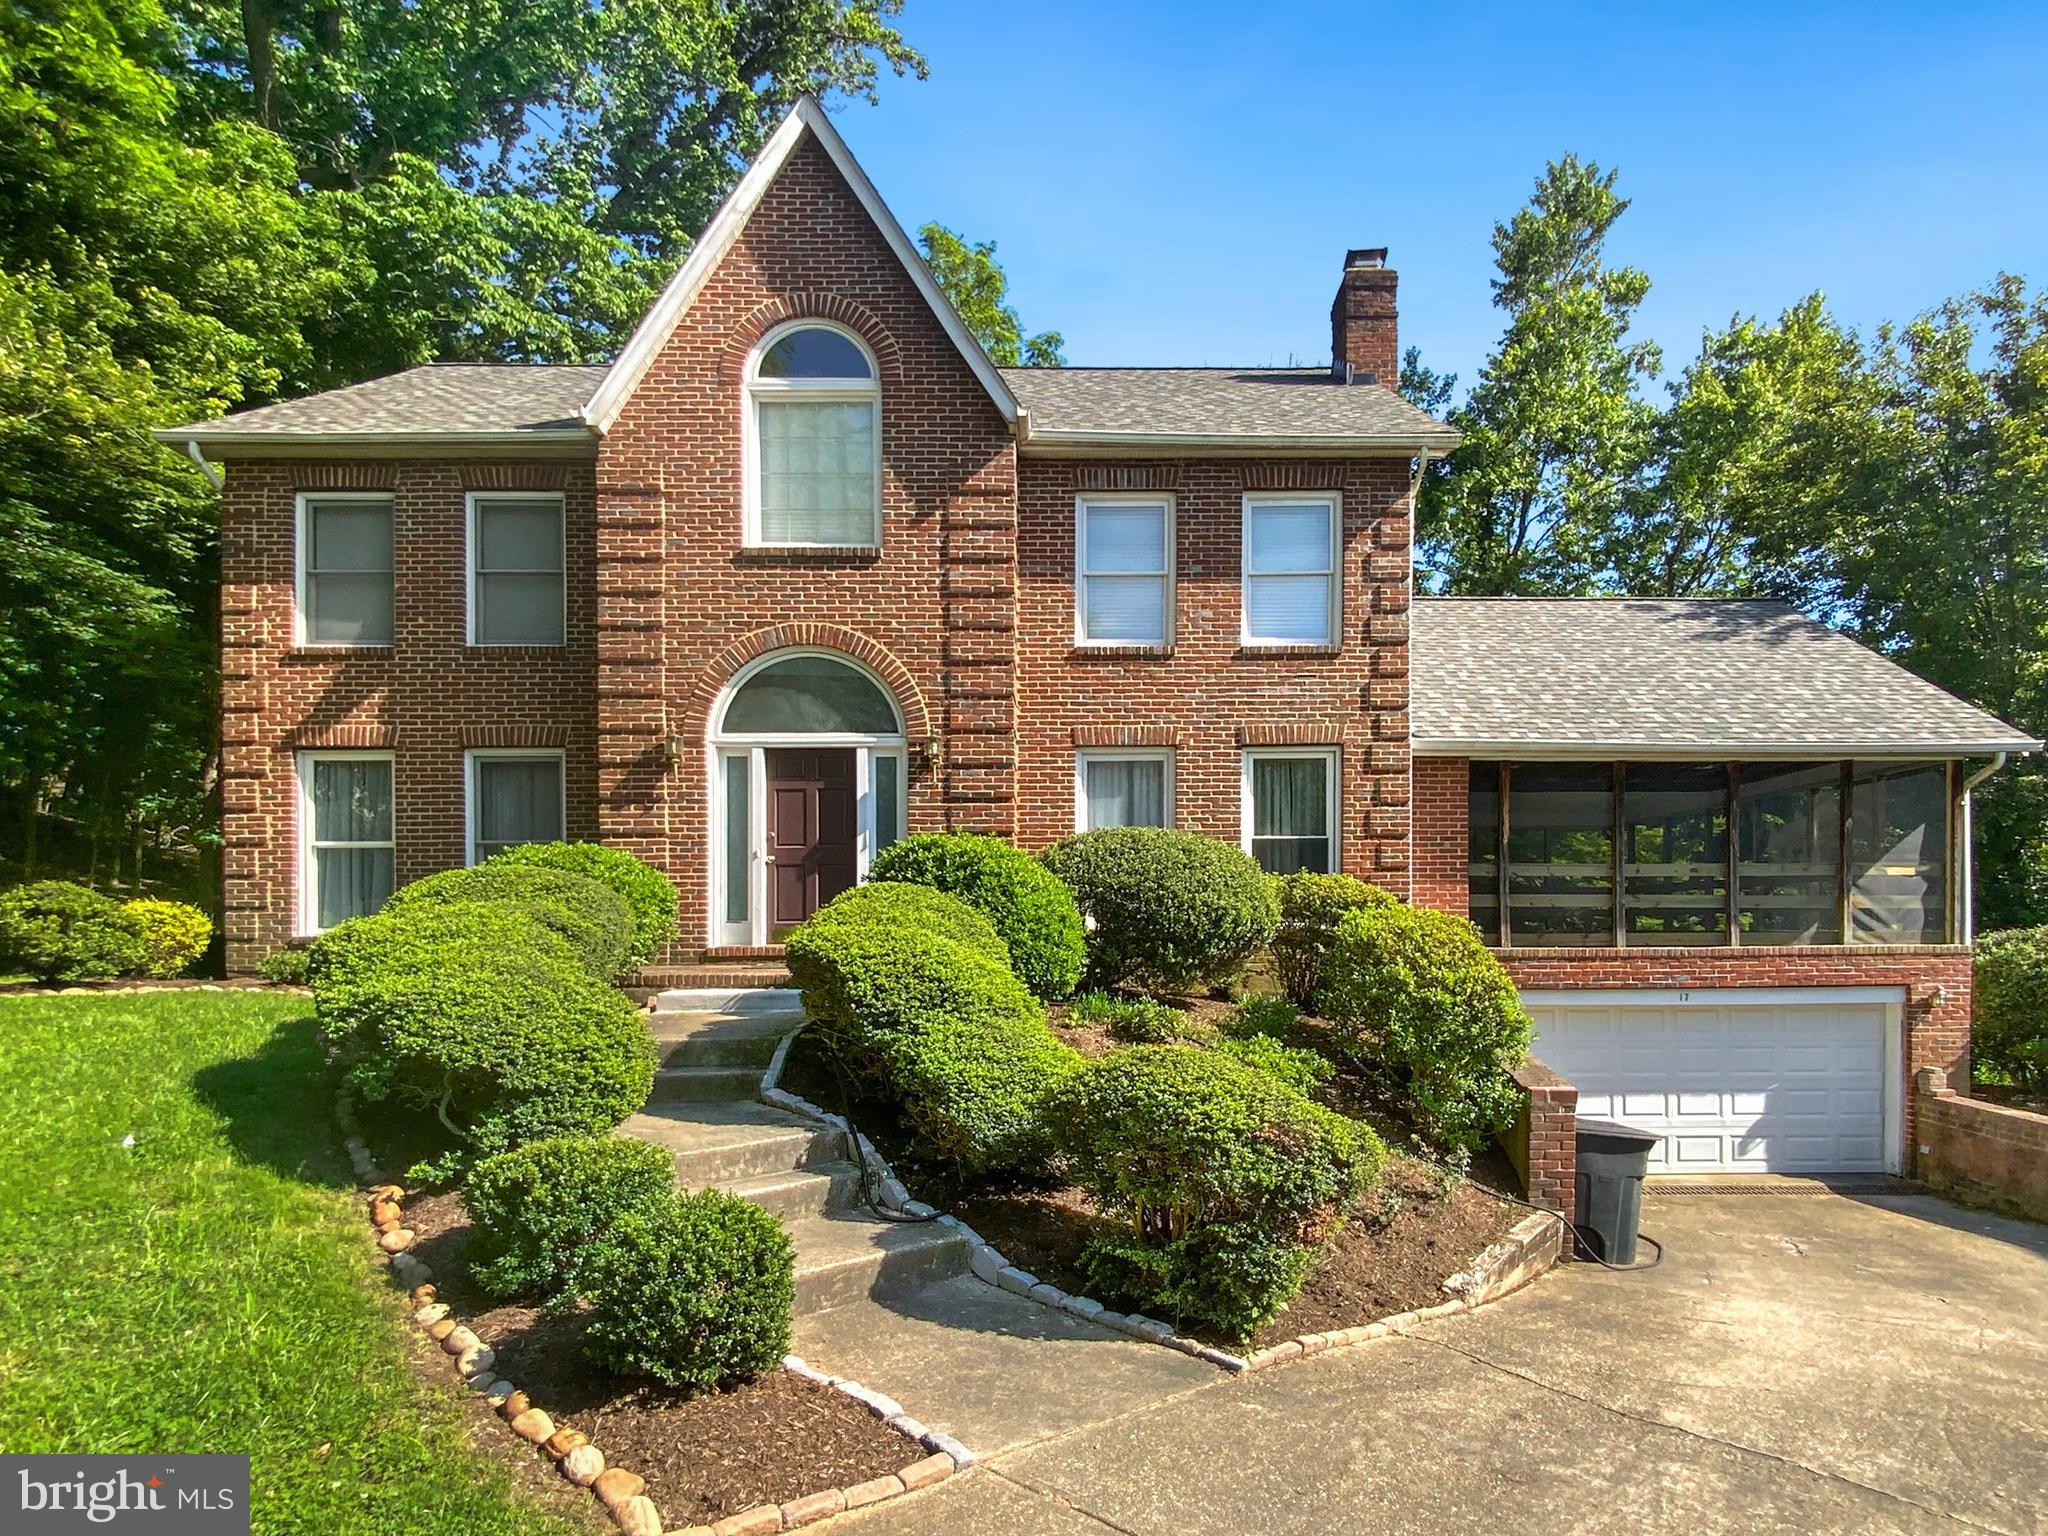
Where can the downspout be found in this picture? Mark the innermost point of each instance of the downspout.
(214, 477)
(1968, 927)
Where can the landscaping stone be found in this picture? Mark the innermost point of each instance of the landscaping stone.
(384, 1211)
(638, 1516)
(804, 1371)
(1017, 1282)
(583, 1465)
(459, 1340)
(1082, 1306)
(533, 1426)
(477, 1361)
(430, 1314)
(1048, 1295)
(483, 1381)
(565, 1440)
(935, 1468)
(1150, 1328)
(1113, 1320)
(424, 1295)
(515, 1404)
(873, 1491)
(907, 1427)
(615, 1485)
(397, 1240)
(961, 1456)
(498, 1391)
(879, 1404)
(921, 1211)
(812, 1507)
(439, 1330)
(761, 1520)
(986, 1263)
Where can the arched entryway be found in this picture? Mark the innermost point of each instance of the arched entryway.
(808, 769)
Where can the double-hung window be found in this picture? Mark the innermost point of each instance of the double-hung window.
(1290, 810)
(345, 580)
(347, 842)
(1290, 568)
(1123, 570)
(517, 594)
(514, 798)
(813, 440)
(1123, 789)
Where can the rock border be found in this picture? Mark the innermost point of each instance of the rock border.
(622, 1493)
(128, 985)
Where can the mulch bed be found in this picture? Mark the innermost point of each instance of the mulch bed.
(769, 1441)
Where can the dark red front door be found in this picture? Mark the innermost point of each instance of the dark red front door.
(811, 831)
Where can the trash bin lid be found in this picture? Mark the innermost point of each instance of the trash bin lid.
(1613, 1136)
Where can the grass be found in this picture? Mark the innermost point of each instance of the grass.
(211, 1287)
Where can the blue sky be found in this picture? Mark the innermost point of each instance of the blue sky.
(1177, 183)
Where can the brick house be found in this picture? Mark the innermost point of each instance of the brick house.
(803, 571)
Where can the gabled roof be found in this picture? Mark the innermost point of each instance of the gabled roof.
(1674, 677)
(501, 402)
(805, 118)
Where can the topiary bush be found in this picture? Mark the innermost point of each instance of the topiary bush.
(1417, 1000)
(1029, 906)
(1311, 906)
(1303, 1071)
(889, 903)
(648, 893)
(692, 1290)
(1227, 1179)
(59, 931)
(174, 934)
(1133, 1020)
(537, 1208)
(2009, 1038)
(589, 915)
(1170, 909)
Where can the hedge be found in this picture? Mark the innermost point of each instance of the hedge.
(890, 903)
(588, 914)
(536, 1209)
(174, 935)
(2010, 1036)
(648, 893)
(59, 931)
(1029, 906)
(1311, 906)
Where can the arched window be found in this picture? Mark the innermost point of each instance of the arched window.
(810, 695)
(814, 439)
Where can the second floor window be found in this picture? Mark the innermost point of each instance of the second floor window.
(516, 590)
(814, 440)
(1290, 570)
(345, 569)
(1123, 564)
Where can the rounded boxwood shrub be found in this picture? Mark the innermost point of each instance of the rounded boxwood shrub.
(589, 915)
(1311, 906)
(1170, 909)
(692, 1290)
(537, 1208)
(2010, 1035)
(1303, 1071)
(56, 930)
(285, 967)
(174, 934)
(891, 903)
(1029, 906)
(648, 894)
(1417, 1000)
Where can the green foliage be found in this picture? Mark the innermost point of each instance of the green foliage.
(1171, 909)
(891, 903)
(648, 893)
(285, 967)
(57, 931)
(1418, 1000)
(1027, 903)
(1207, 1160)
(2010, 1032)
(1311, 906)
(1303, 1071)
(589, 915)
(1273, 1016)
(1135, 1020)
(970, 276)
(692, 1290)
(537, 1208)
(174, 934)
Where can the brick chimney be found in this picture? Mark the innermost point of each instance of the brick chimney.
(1363, 336)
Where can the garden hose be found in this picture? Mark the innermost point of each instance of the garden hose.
(868, 1175)
(1582, 1246)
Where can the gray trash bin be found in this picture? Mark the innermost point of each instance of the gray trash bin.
(1612, 1159)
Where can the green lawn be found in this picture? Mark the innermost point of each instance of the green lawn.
(212, 1287)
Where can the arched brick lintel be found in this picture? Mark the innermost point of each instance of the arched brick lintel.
(851, 643)
(857, 318)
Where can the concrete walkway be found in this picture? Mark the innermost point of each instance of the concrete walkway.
(1799, 1363)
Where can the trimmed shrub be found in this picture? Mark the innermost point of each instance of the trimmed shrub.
(648, 894)
(1303, 1071)
(1417, 1000)
(589, 915)
(1133, 1020)
(1311, 906)
(59, 931)
(692, 1290)
(893, 903)
(1270, 1016)
(2010, 1035)
(537, 1208)
(174, 934)
(1029, 906)
(1216, 1167)
(285, 967)
(1170, 909)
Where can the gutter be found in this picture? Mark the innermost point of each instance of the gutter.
(1068, 440)
(1666, 750)
(197, 455)
(1967, 926)
(201, 440)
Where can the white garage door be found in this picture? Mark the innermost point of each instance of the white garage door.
(1731, 1084)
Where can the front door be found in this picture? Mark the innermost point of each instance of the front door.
(812, 830)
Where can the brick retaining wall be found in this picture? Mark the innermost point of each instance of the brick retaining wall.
(1543, 1143)
(1978, 1151)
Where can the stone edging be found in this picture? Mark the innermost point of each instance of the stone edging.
(130, 985)
(622, 1493)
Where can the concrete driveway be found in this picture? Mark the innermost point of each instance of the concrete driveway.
(1799, 1363)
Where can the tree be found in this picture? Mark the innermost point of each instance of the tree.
(975, 283)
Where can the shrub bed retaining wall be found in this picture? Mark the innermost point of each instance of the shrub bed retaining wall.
(1980, 1152)
(1543, 1141)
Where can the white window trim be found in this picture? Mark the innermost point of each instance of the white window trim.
(756, 389)
(476, 755)
(308, 895)
(1252, 501)
(302, 544)
(1082, 502)
(1087, 755)
(469, 571)
(1333, 794)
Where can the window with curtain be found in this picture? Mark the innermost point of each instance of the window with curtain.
(1788, 840)
(1898, 853)
(1560, 874)
(1290, 570)
(517, 594)
(815, 460)
(1292, 816)
(1124, 791)
(1674, 820)
(514, 799)
(345, 582)
(1124, 561)
(349, 838)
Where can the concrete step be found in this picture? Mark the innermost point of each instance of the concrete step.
(845, 1258)
(717, 1143)
(713, 1047)
(806, 1192)
(731, 1002)
(700, 1085)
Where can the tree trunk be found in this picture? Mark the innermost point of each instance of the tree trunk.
(258, 39)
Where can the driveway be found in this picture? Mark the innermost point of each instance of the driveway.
(1798, 1363)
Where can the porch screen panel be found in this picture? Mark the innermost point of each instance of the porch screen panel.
(1674, 854)
(1561, 854)
(1789, 852)
(1482, 819)
(1898, 853)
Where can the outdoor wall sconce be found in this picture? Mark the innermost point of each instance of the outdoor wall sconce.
(672, 750)
(931, 750)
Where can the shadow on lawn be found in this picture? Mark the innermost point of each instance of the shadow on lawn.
(277, 1106)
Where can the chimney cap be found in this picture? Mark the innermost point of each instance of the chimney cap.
(1369, 256)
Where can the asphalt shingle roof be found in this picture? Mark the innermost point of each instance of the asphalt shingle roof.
(439, 399)
(1616, 675)
(1215, 402)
